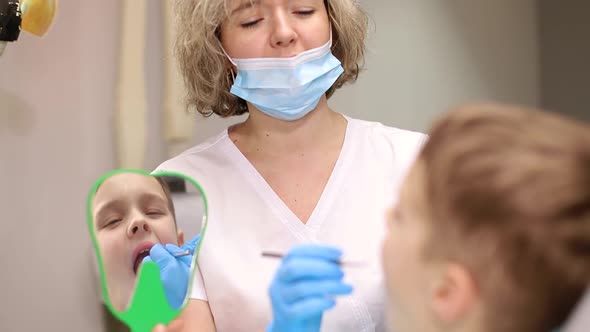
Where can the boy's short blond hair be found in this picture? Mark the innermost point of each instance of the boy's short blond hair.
(508, 191)
(204, 66)
(167, 193)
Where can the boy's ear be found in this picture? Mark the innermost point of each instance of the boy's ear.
(454, 294)
(180, 234)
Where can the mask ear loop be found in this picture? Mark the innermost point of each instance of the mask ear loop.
(233, 76)
(227, 55)
(231, 70)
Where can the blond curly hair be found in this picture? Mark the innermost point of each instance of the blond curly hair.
(203, 65)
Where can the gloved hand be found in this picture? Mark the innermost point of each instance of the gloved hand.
(304, 286)
(174, 271)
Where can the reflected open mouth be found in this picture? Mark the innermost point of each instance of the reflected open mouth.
(142, 251)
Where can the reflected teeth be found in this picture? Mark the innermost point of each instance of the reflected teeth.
(139, 258)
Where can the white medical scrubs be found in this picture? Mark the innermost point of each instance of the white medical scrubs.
(246, 217)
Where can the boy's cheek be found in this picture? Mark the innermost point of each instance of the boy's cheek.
(387, 252)
(109, 245)
(384, 250)
(390, 246)
(166, 235)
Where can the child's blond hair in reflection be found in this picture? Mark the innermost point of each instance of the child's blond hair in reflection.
(166, 188)
(506, 192)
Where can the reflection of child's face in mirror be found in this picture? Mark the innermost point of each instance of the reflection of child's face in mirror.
(131, 213)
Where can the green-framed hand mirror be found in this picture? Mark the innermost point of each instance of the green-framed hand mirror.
(146, 229)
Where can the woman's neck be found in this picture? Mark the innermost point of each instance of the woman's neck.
(319, 128)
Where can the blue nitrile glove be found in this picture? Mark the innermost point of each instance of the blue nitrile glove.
(304, 286)
(174, 271)
(192, 244)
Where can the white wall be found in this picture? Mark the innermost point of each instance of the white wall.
(55, 140)
(426, 56)
(565, 52)
(56, 111)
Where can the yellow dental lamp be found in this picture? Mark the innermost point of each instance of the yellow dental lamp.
(32, 16)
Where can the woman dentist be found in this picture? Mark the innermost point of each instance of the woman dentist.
(296, 177)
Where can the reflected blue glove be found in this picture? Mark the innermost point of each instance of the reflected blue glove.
(304, 286)
(174, 271)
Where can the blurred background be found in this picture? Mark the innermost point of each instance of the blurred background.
(59, 96)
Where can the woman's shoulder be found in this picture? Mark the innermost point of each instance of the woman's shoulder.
(199, 157)
(392, 148)
(377, 131)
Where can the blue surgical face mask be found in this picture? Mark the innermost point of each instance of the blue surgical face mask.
(287, 88)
